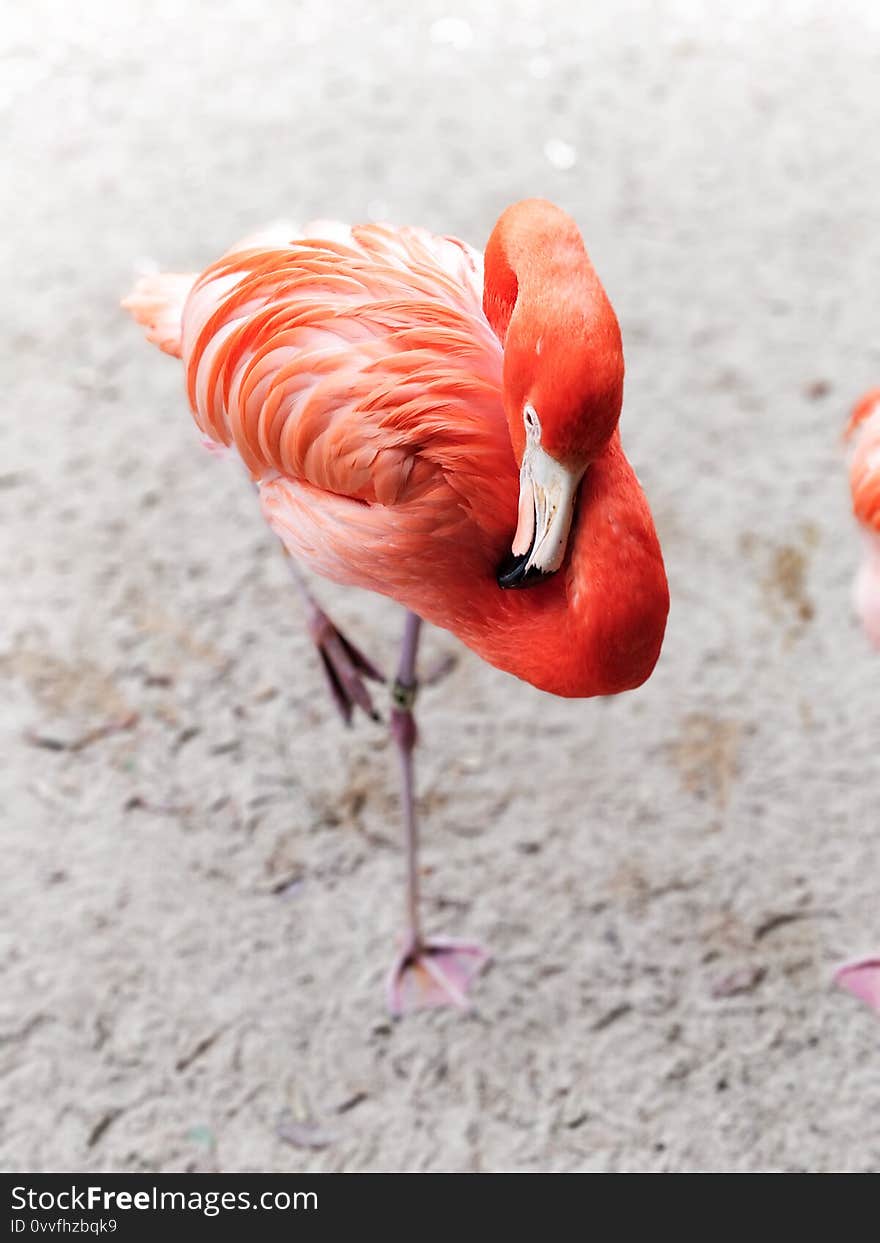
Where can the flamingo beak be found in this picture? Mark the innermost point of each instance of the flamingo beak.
(547, 493)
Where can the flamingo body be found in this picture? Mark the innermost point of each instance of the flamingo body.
(357, 376)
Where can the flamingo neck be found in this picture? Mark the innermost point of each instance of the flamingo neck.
(597, 626)
(535, 259)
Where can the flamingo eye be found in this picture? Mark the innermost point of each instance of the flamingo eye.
(532, 422)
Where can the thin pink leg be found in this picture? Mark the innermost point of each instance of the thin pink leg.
(426, 973)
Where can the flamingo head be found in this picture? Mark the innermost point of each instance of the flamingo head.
(563, 390)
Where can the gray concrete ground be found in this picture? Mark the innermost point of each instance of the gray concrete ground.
(198, 910)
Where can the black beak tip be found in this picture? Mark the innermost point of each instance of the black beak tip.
(513, 573)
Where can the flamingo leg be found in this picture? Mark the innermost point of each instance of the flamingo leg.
(345, 666)
(435, 972)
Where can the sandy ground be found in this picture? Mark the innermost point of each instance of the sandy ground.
(199, 909)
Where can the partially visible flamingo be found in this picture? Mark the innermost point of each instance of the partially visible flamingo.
(861, 977)
(863, 430)
(438, 437)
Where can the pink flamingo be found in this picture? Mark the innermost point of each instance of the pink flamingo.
(440, 438)
(861, 977)
(863, 430)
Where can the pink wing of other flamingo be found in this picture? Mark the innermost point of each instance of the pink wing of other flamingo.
(864, 477)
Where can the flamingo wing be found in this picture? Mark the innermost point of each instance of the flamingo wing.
(343, 360)
(357, 377)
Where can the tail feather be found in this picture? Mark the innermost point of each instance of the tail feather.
(157, 303)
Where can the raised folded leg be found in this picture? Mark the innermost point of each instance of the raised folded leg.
(346, 667)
